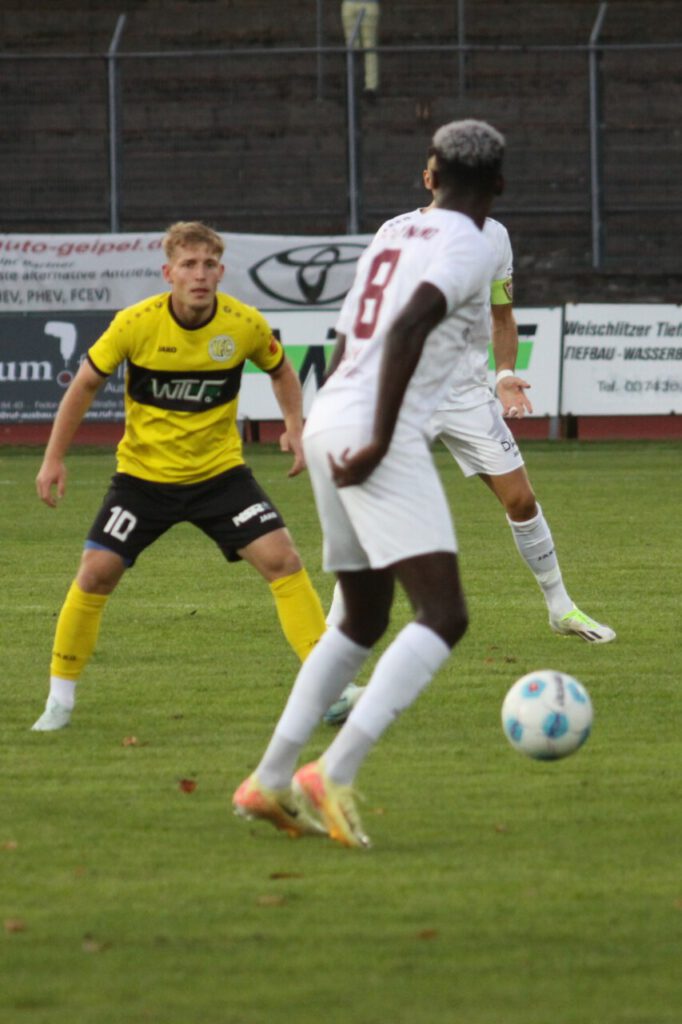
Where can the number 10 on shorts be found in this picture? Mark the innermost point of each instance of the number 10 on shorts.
(120, 523)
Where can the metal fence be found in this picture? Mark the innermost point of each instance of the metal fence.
(279, 139)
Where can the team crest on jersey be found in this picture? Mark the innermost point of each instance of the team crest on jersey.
(221, 348)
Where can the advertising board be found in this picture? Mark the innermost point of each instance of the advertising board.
(622, 360)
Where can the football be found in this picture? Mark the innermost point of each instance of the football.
(547, 714)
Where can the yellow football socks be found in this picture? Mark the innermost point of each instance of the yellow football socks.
(299, 610)
(76, 633)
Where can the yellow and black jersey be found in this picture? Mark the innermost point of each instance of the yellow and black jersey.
(182, 385)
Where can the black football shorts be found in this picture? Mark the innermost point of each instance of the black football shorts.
(231, 508)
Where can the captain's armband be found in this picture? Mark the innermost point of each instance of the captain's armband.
(502, 292)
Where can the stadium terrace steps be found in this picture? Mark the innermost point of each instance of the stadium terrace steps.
(245, 143)
(159, 24)
(654, 22)
(45, 28)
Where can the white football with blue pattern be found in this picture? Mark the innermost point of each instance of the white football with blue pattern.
(547, 714)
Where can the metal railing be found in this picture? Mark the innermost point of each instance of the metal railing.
(463, 87)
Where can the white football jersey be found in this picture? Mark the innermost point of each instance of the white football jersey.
(441, 247)
(469, 385)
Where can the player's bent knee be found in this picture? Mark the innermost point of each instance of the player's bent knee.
(273, 555)
(285, 563)
(449, 623)
(365, 630)
(457, 626)
(99, 571)
(522, 507)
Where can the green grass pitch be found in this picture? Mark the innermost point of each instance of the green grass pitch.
(498, 891)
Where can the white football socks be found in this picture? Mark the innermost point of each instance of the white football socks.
(337, 608)
(536, 546)
(403, 671)
(331, 665)
(63, 691)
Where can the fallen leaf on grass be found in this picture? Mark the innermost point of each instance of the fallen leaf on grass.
(187, 785)
(428, 933)
(270, 900)
(130, 741)
(378, 811)
(93, 945)
(9, 844)
(14, 924)
(286, 874)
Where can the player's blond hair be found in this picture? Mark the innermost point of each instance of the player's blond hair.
(191, 232)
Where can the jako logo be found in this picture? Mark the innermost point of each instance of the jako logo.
(310, 275)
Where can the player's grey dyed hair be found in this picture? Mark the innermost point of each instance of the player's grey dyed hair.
(471, 144)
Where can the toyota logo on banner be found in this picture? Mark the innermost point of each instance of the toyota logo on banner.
(309, 275)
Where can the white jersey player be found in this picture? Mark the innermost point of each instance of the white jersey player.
(470, 423)
(418, 292)
(469, 385)
(447, 250)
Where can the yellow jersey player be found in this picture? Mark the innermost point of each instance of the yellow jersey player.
(180, 458)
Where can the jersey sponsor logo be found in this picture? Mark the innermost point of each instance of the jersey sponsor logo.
(221, 348)
(166, 348)
(183, 392)
(309, 275)
(190, 390)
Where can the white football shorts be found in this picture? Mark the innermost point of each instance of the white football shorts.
(478, 438)
(399, 512)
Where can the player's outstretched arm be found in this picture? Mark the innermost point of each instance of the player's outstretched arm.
(51, 478)
(509, 388)
(287, 390)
